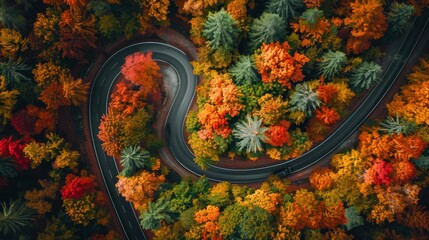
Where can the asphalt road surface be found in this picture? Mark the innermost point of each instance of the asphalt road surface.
(174, 126)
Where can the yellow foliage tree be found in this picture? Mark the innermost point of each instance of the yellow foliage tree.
(7, 101)
(75, 90)
(81, 210)
(271, 108)
(37, 199)
(12, 43)
(46, 73)
(67, 158)
(263, 199)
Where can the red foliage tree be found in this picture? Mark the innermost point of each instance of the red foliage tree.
(143, 71)
(14, 150)
(278, 134)
(76, 187)
(33, 120)
(23, 122)
(379, 173)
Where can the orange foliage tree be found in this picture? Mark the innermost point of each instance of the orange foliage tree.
(395, 147)
(415, 216)
(412, 102)
(74, 90)
(125, 99)
(278, 135)
(238, 10)
(198, 7)
(327, 92)
(393, 200)
(322, 178)
(156, 9)
(76, 4)
(209, 218)
(110, 134)
(274, 63)
(140, 188)
(307, 211)
(223, 102)
(77, 34)
(403, 171)
(368, 22)
(312, 26)
(53, 96)
(327, 115)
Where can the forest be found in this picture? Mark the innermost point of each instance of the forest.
(275, 78)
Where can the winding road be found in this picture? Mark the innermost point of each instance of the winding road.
(174, 126)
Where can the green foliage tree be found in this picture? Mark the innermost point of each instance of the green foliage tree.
(268, 28)
(286, 9)
(399, 17)
(109, 26)
(7, 168)
(99, 7)
(312, 16)
(353, 218)
(241, 222)
(59, 227)
(133, 158)
(221, 31)
(183, 195)
(11, 17)
(15, 72)
(15, 218)
(422, 162)
(244, 71)
(397, 125)
(364, 75)
(229, 220)
(250, 134)
(304, 99)
(155, 214)
(332, 63)
(256, 223)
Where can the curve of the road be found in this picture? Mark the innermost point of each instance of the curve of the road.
(174, 126)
